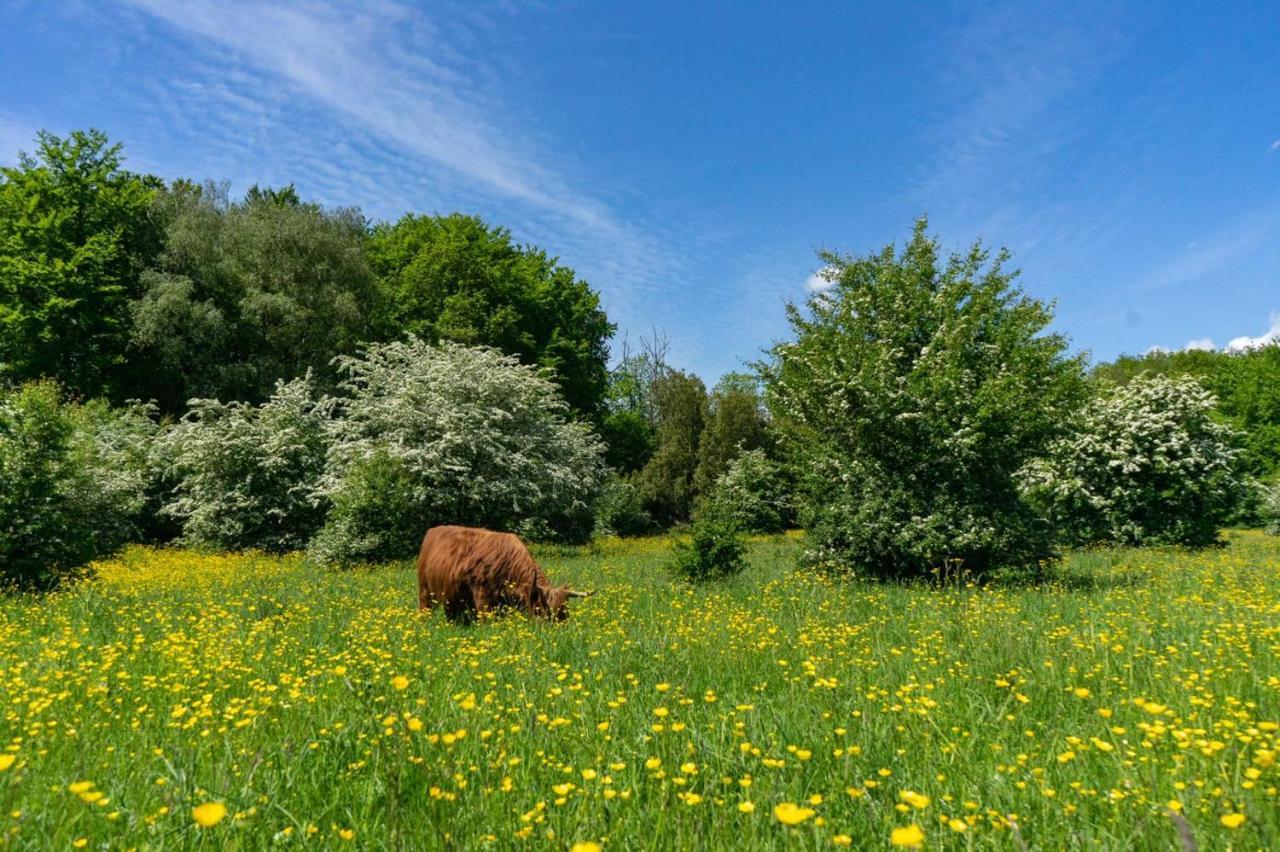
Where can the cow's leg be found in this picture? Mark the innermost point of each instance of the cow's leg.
(482, 601)
(424, 598)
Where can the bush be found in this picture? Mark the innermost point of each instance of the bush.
(916, 388)
(449, 434)
(118, 445)
(715, 550)
(246, 476)
(620, 511)
(756, 494)
(375, 515)
(68, 493)
(1271, 508)
(1146, 463)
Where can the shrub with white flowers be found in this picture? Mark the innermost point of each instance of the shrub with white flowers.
(246, 476)
(917, 386)
(756, 493)
(1271, 508)
(450, 434)
(1145, 463)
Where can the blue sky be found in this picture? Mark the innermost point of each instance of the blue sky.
(688, 159)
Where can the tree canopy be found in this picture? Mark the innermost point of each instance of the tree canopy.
(75, 234)
(246, 294)
(914, 390)
(455, 278)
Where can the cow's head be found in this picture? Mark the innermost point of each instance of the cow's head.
(557, 599)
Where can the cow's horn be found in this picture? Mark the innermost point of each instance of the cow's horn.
(573, 593)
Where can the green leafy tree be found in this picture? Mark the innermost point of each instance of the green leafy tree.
(454, 278)
(248, 294)
(666, 484)
(917, 386)
(736, 423)
(75, 235)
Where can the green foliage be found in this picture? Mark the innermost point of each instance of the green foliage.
(666, 484)
(716, 548)
(1246, 384)
(735, 423)
(916, 388)
(248, 294)
(454, 278)
(68, 492)
(377, 513)
(756, 493)
(620, 511)
(247, 476)
(74, 236)
(451, 434)
(1145, 463)
(630, 440)
(1271, 508)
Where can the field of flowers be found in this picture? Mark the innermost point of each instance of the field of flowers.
(243, 701)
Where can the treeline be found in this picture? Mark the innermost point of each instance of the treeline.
(267, 373)
(223, 348)
(122, 286)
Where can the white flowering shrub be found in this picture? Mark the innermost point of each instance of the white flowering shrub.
(756, 494)
(450, 434)
(1271, 508)
(1145, 463)
(116, 451)
(916, 387)
(246, 476)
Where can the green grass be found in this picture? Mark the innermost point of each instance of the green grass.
(176, 679)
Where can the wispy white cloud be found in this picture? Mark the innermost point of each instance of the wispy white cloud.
(820, 280)
(1218, 251)
(384, 66)
(1006, 76)
(1272, 335)
(1275, 146)
(1202, 344)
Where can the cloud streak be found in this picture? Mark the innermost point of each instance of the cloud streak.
(386, 68)
(1214, 254)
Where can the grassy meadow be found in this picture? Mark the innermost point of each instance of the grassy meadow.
(1132, 701)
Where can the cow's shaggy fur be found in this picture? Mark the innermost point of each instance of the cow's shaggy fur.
(469, 570)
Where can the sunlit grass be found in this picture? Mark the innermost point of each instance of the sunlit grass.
(184, 699)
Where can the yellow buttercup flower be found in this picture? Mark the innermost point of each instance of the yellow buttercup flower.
(1232, 820)
(400, 682)
(6, 761)
(789, 813)
(585, 846)
(911, 835)
(915, 800)
(209, 814)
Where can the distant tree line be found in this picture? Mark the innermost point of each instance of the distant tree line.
(264, 372)
(121, 286)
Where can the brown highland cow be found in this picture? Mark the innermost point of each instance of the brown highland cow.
(474, 571)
